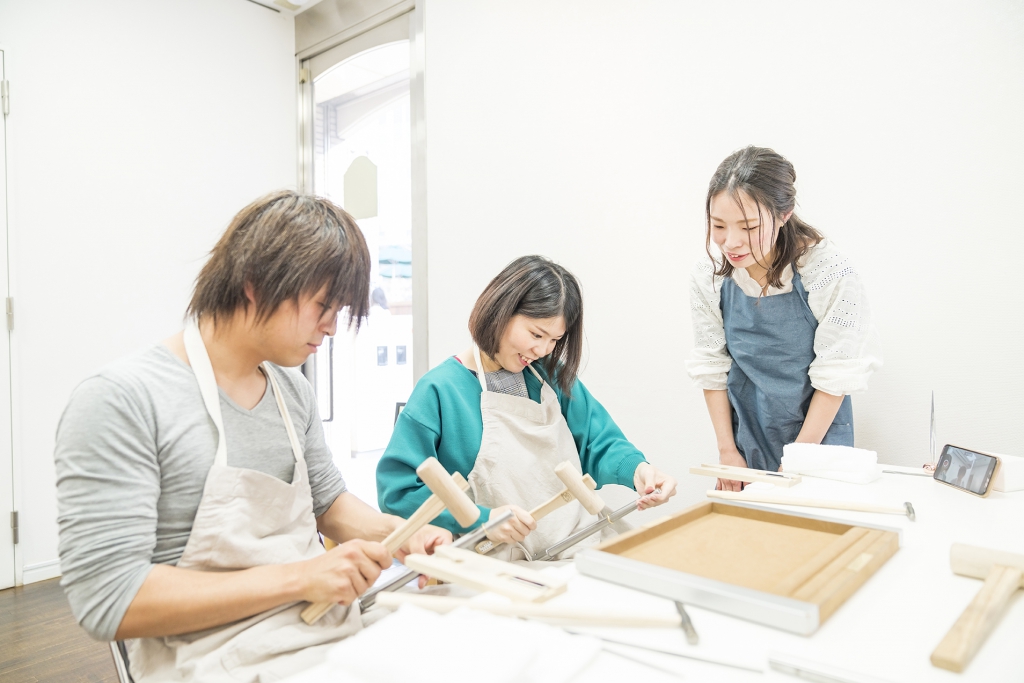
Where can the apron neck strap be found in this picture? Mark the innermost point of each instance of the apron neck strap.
(199, 359)
(480, 369)
(195, 349)
(283, 409)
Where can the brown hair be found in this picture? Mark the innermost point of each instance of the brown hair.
(537, 288)
(282, 245)
(769, 180)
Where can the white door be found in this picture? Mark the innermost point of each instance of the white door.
(6, 461)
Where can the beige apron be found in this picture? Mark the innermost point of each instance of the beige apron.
(522, 443)
(246, 518)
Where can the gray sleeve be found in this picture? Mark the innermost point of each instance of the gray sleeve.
(108, 484)
(325, 479)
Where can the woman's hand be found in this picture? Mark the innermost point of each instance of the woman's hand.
(515, 529)
(344, 573)
(731, 457)
(647, 480)
(423, 542)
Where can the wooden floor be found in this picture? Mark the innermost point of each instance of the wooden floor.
(40, 641)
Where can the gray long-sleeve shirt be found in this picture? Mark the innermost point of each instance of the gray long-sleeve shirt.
(133, 450)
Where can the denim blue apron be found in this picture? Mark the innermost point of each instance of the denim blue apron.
(771, 341)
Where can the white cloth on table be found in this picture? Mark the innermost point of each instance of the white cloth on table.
(846, 345)
(464, 646)
(844, 463)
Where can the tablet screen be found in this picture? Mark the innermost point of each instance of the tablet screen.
(965, 469)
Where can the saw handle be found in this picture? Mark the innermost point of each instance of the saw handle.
(965, 638)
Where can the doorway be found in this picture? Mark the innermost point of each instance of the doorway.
(360, 156)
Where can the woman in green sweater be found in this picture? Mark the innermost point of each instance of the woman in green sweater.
(506, 431)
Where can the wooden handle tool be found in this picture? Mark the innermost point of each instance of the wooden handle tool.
(1002, 573)
(448, 491)
(905, 509)
(558, 614)
(560, 499)
(747, 475)
(573, 481)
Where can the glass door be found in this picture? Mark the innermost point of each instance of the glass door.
(361, 158)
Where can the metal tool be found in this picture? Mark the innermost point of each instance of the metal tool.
(698, 658)
(930, 466)
(586, 532)
(687, 625)
(467, 541)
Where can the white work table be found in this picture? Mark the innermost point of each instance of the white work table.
(885, 631)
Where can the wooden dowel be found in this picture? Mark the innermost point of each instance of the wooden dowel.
(808, 502)
(527, 610)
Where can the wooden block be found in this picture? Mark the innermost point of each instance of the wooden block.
(466, 568)
(747, 475)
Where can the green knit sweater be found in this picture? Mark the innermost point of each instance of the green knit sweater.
(442, 419)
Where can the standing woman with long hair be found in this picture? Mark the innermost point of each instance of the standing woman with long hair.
(782, 328)
(508, 409)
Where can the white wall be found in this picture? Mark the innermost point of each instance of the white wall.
(588, 131)
(137, 130)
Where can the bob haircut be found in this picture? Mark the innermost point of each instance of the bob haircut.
(538, 288)
(769, 180)
(283, 245)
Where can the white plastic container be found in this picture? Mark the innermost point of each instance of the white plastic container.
(1011, 473)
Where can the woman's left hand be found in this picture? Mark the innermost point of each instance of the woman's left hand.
(423, 542)
(647, 479)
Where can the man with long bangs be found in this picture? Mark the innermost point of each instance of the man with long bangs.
(193, 478)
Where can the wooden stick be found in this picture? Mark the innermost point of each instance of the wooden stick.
(442, 484)
(431, 508)
(529, 610)
(808, 502)
(560, 499)
(747, 475)
(573, 481)
(964, 639)
(1004, 574)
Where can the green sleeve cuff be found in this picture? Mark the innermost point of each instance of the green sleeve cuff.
(627, 467)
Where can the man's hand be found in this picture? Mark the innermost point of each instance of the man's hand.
(646, 480)
(423, 542)
(344, 573)
(515, 529)
(732, 458)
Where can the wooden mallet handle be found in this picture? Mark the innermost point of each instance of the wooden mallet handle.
(560, 499)
(574, 482)
(964, 639)
(563, 497)
(448, 491)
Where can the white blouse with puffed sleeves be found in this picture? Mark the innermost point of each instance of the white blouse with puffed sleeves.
(846, 344)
